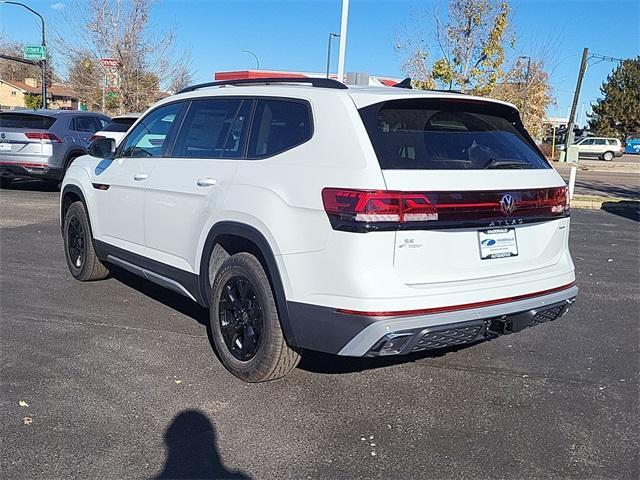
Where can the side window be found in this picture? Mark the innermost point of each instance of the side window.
(588, 141)
(237, 138)
(611, 141)
(599, 141)
(149, 138)
(278, 125)
(213, 128)
(84, 124)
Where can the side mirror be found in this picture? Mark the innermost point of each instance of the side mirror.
(102, 148)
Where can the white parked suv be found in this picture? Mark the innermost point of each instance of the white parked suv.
(599, 147)
(360, 221)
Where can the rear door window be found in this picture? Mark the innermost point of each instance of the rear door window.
(25, 120)
(441, 134)
(279, 125)
(213, 128)
(599, 141)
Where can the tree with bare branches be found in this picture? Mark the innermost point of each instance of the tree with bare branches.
(147, 58)
(527, 87)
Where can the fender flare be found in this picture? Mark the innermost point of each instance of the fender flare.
(70, 189)
(253, 235)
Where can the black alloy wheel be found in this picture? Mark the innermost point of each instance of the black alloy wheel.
(76, 243)
(240, 317)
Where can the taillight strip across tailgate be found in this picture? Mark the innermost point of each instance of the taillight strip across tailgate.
(369, 210)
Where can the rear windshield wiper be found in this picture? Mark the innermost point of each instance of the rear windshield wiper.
(493, 163)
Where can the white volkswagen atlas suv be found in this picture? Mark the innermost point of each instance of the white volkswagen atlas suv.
(306, 214)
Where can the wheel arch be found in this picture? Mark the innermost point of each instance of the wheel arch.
(73, 153)
(237, 237)
(70, 194)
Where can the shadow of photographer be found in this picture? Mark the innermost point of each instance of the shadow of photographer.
(192, 450)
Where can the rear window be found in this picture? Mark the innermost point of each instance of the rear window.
(119, 125)
(25, 120)
(427, 134)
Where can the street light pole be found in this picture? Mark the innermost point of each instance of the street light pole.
(254, 56)
(526, 87)
(343, 40)
(43, 63)
(331, 36)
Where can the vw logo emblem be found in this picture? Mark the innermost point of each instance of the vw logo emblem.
(507, 204)
(2, 135)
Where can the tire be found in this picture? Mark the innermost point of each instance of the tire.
(244, 322)
(607, 156)
(79, 251)
(5, 181)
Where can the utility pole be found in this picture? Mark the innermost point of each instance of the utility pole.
(343, 40)
(331, 36)
(569, 135)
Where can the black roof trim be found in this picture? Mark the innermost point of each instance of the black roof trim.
(314, 82)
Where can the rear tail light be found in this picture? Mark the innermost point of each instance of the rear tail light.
(44, 136)
(560, 200)
(367, 210)
(95, 137)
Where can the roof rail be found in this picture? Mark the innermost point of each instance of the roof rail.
(314, 82)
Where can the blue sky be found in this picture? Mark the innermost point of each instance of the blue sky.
(292, 35)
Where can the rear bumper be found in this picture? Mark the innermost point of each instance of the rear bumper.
(327, 330)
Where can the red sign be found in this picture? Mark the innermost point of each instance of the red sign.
(109, 62)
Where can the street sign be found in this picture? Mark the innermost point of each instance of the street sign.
(35, 52)
(109, 62)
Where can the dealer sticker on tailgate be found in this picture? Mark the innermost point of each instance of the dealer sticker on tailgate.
(497, 243)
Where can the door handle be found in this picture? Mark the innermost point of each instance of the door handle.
(140, 176)
(206, 182)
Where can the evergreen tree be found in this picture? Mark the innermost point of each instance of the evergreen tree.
(617, 113)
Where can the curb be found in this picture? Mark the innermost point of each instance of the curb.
(604, 203)
(606, 168)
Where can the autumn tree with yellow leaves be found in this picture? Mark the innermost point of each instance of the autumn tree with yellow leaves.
(467, 52)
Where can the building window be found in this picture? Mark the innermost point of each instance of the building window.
(13, 93)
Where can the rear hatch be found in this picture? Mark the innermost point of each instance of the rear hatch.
(476, 197)
(24, 137)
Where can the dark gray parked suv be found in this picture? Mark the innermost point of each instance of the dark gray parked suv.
(43, 143)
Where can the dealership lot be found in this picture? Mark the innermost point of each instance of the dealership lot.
(121, 382)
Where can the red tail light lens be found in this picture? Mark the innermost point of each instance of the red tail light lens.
(362, 206)
(42, 136)
(367, 210)
(95, 137)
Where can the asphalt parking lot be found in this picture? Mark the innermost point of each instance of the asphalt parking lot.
(117, 379)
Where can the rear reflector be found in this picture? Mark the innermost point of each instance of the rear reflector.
(44, 136)
(453, 308)
(367, 210)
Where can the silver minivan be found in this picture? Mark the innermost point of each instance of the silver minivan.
(43, 143)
